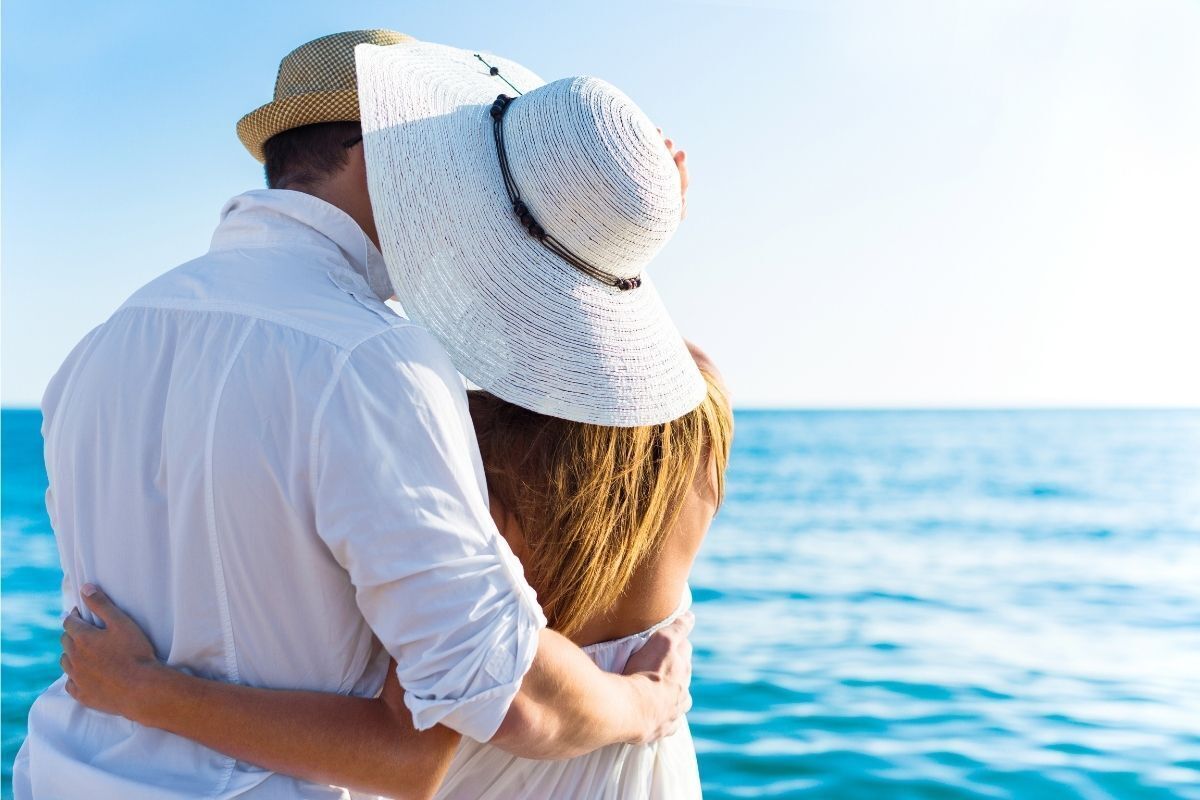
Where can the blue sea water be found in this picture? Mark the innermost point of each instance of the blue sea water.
(891, 605)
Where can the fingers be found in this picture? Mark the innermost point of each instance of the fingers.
(682, 707)
(100, 605)
(668, 141)
(75, 625)
(686, 621)
(64, 662)
(676, 634)
(680, 158)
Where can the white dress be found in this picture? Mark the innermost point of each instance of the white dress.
(665, 770)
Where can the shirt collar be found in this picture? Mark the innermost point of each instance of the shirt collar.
(257, 215)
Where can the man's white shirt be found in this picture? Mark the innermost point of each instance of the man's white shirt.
(273, 473)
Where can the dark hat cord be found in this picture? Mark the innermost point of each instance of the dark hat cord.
(522, 211)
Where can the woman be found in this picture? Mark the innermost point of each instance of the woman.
(603, 440)
(651, 491)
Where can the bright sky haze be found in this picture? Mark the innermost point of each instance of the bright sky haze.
(926, 203)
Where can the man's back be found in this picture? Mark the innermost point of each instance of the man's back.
(180, 444)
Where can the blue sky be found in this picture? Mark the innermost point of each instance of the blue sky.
(909, 203)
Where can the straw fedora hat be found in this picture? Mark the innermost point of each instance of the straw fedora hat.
(518, 231)
(315, 84)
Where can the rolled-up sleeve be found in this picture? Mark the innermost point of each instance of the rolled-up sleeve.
(399, 500)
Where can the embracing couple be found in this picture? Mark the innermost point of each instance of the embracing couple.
(298, 554)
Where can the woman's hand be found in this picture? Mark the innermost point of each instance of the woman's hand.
(110, 668)
(366, 744)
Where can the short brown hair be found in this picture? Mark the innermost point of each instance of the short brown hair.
(303, 157)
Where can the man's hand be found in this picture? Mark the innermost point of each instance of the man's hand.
(666, 663)
(109, 668)
(680, 158)
(567, 706)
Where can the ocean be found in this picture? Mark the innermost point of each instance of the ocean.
(925, 604)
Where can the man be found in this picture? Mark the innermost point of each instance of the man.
(277, 477)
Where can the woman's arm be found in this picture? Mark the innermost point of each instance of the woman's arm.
(566, 707)
(368, 745)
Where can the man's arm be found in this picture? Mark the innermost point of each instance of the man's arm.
(399, 499)
(566, 707)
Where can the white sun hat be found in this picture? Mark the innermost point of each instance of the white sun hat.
(518, 232)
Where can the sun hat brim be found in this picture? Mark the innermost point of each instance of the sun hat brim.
(516, 319)
(293, 112)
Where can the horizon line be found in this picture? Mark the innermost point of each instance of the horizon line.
(755, 407)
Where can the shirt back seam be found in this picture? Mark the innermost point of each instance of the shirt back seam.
(232, 672)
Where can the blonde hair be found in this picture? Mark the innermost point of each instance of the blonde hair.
(594, 501)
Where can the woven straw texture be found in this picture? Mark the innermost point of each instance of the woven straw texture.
(516, 319)
(316, 83)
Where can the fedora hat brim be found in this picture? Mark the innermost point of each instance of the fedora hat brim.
(516, 319)
(315, 83)
(293, 112)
